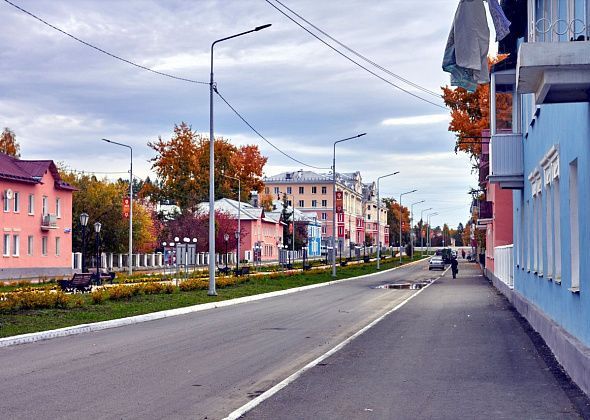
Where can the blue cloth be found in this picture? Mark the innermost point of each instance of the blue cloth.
(501, 22)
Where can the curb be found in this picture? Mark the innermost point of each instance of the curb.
(114, 323)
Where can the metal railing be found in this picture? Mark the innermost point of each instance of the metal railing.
(504, 264)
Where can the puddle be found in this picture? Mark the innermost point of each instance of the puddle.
(411, 286)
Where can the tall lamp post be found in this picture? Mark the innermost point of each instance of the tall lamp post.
(428, 242)
(292, 217)
(400, 223)
(225, 238)
(83, 222)
(130, 260)
(237, 234)
(412, 226)
(212, 87)
(97, 227)
(334, 226)
(379, 216)
(422, 227)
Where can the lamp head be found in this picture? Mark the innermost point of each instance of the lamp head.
(97, 227)
(237, 235)
(226, 237)
(176, 239)
(195, 240)
(163, 243)
(84, 219)
(186, 240)
(259, 28)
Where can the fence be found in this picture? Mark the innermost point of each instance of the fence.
(503, 264)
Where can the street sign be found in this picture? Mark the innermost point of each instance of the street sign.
(339, 202)
(126, 207)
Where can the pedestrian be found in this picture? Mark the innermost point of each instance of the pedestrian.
(454, 267)
(463, 253)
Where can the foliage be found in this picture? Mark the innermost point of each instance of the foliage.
(28, 298)
(182, 166)
(8, 143)
(102, 200)
(393, 220)
(266, 202)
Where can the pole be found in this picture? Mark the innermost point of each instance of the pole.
(400, 223)
(83, 248)
(422, 227)
(378, 218)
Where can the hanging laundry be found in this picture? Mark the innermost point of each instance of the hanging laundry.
(466, 53)
(501, 22)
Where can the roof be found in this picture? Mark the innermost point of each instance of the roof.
(247, 211)
(30, 171)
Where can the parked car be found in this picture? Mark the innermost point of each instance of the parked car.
(436, 263)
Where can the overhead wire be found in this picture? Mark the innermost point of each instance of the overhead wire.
(389, 82)
(263, 137)
(361, 56)
(171, 76)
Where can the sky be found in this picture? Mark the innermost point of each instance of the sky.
(61, 97)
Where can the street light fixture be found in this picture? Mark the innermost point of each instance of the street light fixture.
(400, 223)
(97, 227)
(130, 201)
(334, 226)
(83, 222)
(379, 216)
(225, 238)
(212, 87)
(412, 226)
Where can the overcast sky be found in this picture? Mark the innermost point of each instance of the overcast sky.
(61, 97)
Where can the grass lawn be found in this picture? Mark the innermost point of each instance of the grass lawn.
(26, 321)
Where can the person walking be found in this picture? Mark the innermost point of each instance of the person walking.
(463, 253)
(454, 267)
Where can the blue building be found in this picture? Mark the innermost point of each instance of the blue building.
(545, 161)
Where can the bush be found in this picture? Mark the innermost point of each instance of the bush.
(99, 296)
(121, 292)
(34, 299)
(194, 284)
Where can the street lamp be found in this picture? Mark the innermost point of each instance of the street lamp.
(97, 227)
(334, 226)
(428, 242)
(292, 215)
(237, 236)
(239, 212)
(422, 227)
(400, 223)
(130, 201)
(412, 225)
(225, 238)
(378, 217)
(212, 87)
(83, 222)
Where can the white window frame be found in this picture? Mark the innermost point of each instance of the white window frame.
(324, 203)
(30, 245)
(314, 189)
(15, 245)
(58, 207)
(45, 206)
(277, 190)
(57, 246)
(324, 190)
(301, 190)
(574, 217)
(31, 204)
(6, 245)
(301, 203)
(44, 245)
(547, 24)
(289, 190)
(16, 202)
(6, 203)
(314, 203)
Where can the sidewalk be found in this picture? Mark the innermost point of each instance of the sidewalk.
(458, 350)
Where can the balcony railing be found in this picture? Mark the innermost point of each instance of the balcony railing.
(49, 221)
(506, 163)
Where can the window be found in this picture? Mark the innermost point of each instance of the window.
(44, 246)
(31, 204)
(341, 217)
(549, 223)
(289, 190)
(314, 190)
(276, 190)
(574, 228)
(15, 246)
(30, 245)
(324, 203)
(324, 216)
(324, 190)
(58, 208)
(528, 235)
(6, 204)
(6, 245)
(289, 203)
(57, 245)
(314, 203)
(368, 217)
(266, 190)
(301, 203)
(557, 228)
(558, 21)
(44, 208)
(16, 198)
(301, 190)
(324, 230)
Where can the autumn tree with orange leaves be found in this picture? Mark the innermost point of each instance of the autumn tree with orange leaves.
(182, 166)
(8, 143)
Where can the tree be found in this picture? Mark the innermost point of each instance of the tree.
(393, 212)
(182, 166)
(458, 235)
(8, 143)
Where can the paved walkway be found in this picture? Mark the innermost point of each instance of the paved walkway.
(458, 350)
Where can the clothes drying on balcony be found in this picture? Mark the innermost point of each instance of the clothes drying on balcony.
(501, 22)
(466, 53)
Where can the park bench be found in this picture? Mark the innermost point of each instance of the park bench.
(224, 270)
(242, 271)
(80, 281)
(103, 278)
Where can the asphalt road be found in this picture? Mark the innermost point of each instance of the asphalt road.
(456, 351)
(203, 365)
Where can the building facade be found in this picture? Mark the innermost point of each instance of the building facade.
(545, 161)
(310, 192)
(35, 220)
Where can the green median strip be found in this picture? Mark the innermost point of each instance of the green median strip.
(87, 308)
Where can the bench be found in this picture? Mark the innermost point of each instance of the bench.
(104, 277)
(224, 270)
(80, 282)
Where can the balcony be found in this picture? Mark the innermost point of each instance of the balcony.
(556, 72)
(486, 212)
(506, 161)
(49, 222)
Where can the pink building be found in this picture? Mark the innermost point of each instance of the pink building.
(35, 220)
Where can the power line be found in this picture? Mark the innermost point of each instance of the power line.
(171, 76)
(361, 56)
(264, 138)
(352, 60)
